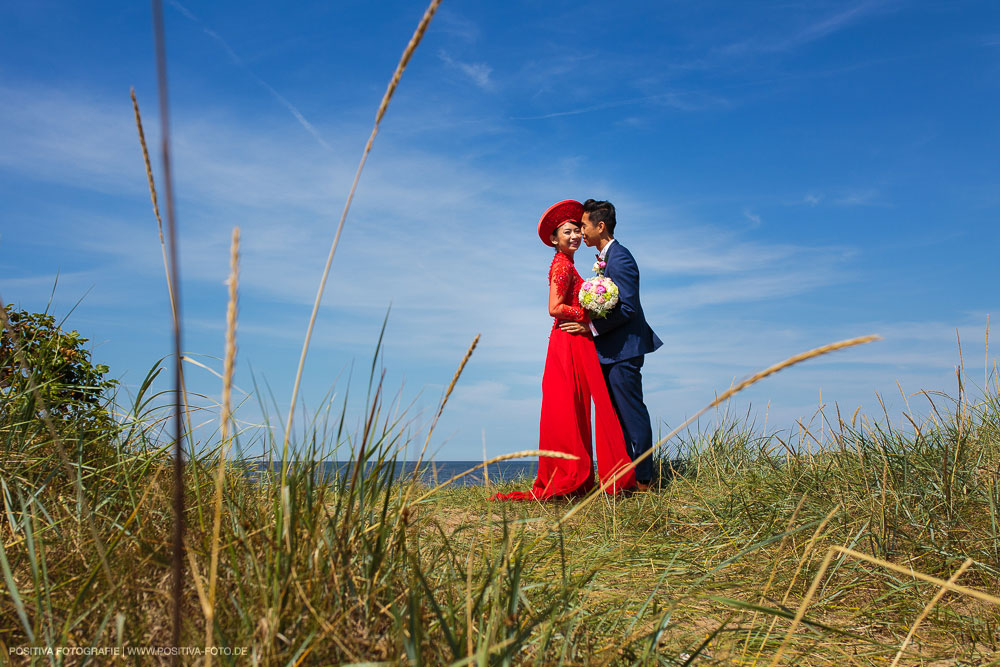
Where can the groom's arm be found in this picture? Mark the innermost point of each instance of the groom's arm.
(573, 327)
(627, 280)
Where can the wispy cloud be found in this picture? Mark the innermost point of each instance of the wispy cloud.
(451, 23)
(680, 100)
(696, 248)
(478, 73)
(283, 207)
(859, 197)
(862, 196)
(810, 31)
(835, 22)
(87, 140)
(757, 287)
(752, 217)
(409, 236)
(283, 204)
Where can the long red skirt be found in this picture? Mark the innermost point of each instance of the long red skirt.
(572, 378)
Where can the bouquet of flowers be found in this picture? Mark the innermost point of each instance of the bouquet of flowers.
(598, 295)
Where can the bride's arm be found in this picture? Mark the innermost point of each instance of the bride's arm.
(559, 288)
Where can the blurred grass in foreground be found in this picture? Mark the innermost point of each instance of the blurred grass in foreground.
(710, 568)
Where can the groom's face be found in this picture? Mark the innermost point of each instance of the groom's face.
(590, 230)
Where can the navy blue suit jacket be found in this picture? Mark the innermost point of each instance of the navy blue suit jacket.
(623, 333)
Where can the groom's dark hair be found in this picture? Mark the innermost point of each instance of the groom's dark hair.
(601, 211)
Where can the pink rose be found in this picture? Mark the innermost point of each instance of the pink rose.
(602, 264)
(587, 285)
(599, 299)
(600, 289)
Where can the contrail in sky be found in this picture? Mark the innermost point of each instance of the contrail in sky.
(263, 84)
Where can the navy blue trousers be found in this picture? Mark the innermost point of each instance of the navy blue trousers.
(624, 380)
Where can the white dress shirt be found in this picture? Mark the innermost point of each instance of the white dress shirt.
(601, 255)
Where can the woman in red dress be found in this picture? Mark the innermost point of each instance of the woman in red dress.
(572, 378)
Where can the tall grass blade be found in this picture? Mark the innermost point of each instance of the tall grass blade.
(225, 417)
(174, 270)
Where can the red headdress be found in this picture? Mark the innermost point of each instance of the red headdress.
(569, 210)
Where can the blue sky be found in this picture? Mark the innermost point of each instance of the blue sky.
(787, 174)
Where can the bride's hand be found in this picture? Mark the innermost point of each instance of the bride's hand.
(572, 327)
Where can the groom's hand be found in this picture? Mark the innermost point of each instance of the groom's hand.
(572, 327)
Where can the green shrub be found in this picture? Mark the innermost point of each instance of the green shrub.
(55, 376)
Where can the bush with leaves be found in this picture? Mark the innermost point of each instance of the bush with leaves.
(45, 370)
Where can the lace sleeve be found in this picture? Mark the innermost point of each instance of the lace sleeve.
(561, 284)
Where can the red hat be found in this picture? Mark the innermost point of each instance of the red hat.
(569, 210)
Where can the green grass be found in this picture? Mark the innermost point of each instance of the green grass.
(711, 567)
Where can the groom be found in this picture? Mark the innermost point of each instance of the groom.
(622, 338)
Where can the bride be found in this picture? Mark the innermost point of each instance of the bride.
(571, 379)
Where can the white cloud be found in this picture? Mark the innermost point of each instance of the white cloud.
(743, 289)
(85, 141)
(844, 196)
(859, 197)
(835, 22)
(752, 217)
(810, 31)
(416, 238)
(695, 248)
(451, 23)
(680, 100)
(478, 73)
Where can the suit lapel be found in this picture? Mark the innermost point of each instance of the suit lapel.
(609, 258)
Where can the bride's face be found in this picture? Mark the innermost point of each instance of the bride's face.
(567, 237)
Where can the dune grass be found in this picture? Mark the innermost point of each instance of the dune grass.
(712, 567)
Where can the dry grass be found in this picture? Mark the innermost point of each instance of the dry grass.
(225, 417)
(714, 564)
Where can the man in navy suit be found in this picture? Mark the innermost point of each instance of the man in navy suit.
(623, 337)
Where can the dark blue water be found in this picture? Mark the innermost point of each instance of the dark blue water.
(436, 472)
(431, 472)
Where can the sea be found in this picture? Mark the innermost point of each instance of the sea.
(431, 472)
